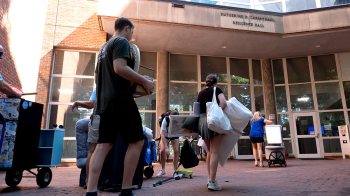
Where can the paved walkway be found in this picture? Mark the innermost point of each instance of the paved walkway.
(301, 177)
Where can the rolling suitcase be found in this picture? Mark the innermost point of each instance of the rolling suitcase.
(112, 172)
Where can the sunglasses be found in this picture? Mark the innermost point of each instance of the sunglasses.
(1, 53)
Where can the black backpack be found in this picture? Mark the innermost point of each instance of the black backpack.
(166, 116)
(188, 157)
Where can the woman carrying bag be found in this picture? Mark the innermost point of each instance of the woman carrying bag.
(212, 139)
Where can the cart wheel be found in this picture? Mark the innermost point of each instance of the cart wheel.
(285, 164)
(13, 177)
(279, 156)
(44, 176)
(148, 171)
(191, 176)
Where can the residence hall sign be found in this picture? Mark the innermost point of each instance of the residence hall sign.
(250, 21)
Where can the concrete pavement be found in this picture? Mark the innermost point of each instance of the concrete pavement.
(301, 177)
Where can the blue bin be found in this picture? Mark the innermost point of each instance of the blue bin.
(50, 147)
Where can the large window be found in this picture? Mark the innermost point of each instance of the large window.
(301, 97)
(330, 122)
(240, 80)
(328, 96)
(147, 104)
(324, 68)
(214, 65)
(183, 87)
(239, 71)
(278, 75)
(298, 70)
(281, 99)
(72, 79)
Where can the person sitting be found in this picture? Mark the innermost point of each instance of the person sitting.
(81, 130)
(164, 141)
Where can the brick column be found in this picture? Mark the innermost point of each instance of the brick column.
(162, 84)
(269, 95)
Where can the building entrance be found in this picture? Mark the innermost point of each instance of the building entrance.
(307, 135)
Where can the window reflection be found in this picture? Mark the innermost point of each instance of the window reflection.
(298, 70)
(301, 97)
(344, 59)
(347, 93)
(278, 75)
(63, 115)
(242, 94)
(259, 99)
(149, 120)
(257, 77)
(214, 65)
(239, 69)
(182, 96)
(74, 63)
(328, 96)
(330, 122)
(180, 64)
(324, 67)
(281, 99)
(305, 125)
(68, 90)
(283, 120)
(332, 145)
(148, 64)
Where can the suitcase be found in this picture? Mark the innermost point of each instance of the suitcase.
(112, 172)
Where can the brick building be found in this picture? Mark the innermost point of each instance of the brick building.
(289, 61)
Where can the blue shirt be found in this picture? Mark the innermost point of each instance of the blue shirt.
(93, 96)
(257, 128)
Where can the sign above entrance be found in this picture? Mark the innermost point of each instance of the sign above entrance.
(251, 21)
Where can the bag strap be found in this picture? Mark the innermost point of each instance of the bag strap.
(214, 96)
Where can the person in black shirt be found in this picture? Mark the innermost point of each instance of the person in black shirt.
(116, 106)
(212, 139)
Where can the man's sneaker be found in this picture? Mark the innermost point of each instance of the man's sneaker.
(161, 173)
(126, 192)
(214, 186)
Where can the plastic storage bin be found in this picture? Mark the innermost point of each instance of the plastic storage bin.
(50, 147)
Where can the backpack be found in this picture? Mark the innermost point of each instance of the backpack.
(161, 118)
(188, 157)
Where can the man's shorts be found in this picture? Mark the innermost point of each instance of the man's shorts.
(121, 119)
(94, 126)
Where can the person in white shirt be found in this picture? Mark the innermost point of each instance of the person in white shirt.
(164, 148)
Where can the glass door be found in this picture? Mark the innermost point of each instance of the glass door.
(307, 135)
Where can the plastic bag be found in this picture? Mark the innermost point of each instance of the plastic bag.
(216, 119)
(228, 141)
(238, 114)
(148, 133)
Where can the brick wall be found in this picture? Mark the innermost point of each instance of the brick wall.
(70, 24)
(7, 68)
